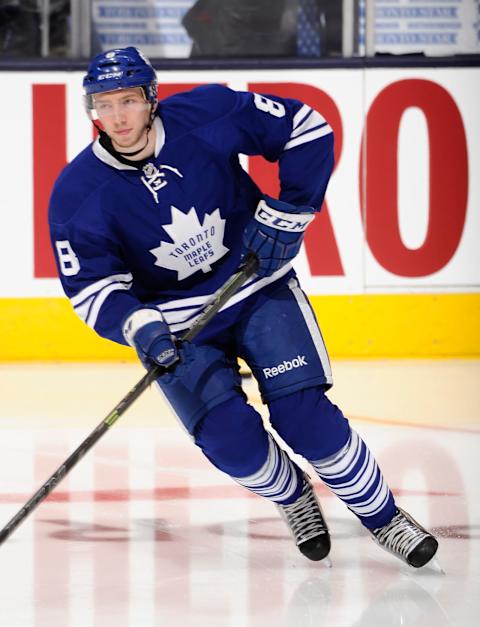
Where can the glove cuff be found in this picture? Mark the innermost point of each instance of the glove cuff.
(290, 222)
(138, 319)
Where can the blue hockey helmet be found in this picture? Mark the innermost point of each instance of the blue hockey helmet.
(121, 68)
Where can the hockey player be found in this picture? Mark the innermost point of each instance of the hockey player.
(150, 219)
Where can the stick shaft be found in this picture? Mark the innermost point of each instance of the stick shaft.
(218, 301)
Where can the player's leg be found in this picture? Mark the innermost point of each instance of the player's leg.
(349, 469)
(207, 398)
(316, 429)
(233, 438)
(290, 362)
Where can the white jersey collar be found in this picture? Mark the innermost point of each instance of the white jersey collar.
(102, 154)
(160, 137)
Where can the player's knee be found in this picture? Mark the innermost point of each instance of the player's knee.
(233, 438)
(206, 380)
(310, 423)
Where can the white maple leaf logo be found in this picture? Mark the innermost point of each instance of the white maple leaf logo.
(195, 246)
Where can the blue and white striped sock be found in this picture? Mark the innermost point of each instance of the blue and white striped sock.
(279, 479)
(354, 476)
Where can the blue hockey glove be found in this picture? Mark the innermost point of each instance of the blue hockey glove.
(186, 355)
(146, 330)
(276, 233)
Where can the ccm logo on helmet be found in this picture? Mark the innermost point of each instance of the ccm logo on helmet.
(102, 77)
(298, 362)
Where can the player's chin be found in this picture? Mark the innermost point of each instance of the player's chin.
(125, 139)
(125, 145)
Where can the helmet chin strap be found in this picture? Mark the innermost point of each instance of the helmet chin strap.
(147, 128)
(137, 152)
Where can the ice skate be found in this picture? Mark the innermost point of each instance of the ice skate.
(307, 525)
(406, 539)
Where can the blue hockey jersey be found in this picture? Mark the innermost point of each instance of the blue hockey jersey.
(169, 232)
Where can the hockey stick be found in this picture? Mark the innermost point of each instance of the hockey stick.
(227, 290)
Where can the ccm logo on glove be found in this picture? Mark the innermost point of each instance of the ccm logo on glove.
(292, 222)
(275, 233)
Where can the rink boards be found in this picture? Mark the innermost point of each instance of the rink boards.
(392, 264)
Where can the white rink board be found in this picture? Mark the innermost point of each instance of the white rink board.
(353, 92)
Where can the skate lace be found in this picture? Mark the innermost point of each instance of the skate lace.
(304, 516)
(400, 536)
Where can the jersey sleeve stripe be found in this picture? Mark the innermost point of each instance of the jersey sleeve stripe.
(311, 122)
(179, 314)
(301, 115)
(308, 137)
(88, 308)
(100, 299)
(309, 130)
(83, 309)
(93, 288)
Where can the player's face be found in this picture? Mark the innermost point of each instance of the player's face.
(124, 114)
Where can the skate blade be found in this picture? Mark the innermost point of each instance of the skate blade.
(434, 565)
(327, 562)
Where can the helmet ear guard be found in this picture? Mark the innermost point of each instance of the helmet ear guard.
(90, 107)
(151, 94)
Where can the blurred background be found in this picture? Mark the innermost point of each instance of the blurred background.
(391, 264)
(238, 28)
